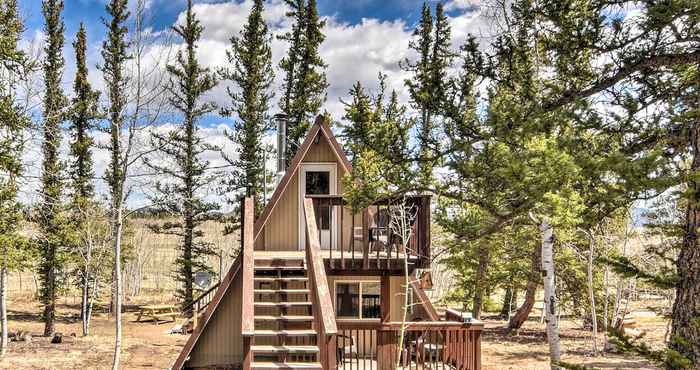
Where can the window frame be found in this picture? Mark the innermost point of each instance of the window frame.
(360, 291)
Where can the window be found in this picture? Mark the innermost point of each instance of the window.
(360, 300)
(318, 183)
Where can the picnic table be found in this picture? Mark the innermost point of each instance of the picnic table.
(158, 313)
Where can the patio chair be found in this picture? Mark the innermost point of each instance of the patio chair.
(347, 348)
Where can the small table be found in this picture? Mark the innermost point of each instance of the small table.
(158, 313)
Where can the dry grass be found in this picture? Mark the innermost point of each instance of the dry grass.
(146, 346)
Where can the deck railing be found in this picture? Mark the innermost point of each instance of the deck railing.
(200, 303)
(368, 238)
(364, 345)
(324, 317)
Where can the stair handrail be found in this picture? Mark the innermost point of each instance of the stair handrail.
(195, 306)
(320, 294)
(317, 271)
(247, 242)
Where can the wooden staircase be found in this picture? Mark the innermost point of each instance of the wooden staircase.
(284, 334)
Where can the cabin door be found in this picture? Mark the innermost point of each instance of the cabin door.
(318, 179)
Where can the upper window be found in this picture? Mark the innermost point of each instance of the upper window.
(359, 300)
(318, 182)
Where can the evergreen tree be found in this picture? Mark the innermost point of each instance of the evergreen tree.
(289, 64)
(183, 148)
(305, 80)
(13, 66)
(420, 85)
(251, 73)
(84, 112)
(50, 219)
(115, 56)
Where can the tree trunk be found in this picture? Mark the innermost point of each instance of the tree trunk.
(509, 298)
(524, 310)
(118, 223)
(686, 308)
(478, 300)
(84, 303)
(606, 306)
(550, 297)
(591, 294)
(3, 311)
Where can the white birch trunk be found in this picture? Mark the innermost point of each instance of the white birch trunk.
(606, 275)
(591, 294)
(550, 297)
(117, 286)
(3, 311)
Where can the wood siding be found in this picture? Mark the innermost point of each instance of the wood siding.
(221, 342)
(396, 291)
(281, 232)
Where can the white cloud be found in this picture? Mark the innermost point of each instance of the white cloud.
(353, 52)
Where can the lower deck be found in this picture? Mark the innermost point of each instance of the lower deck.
(339, 262)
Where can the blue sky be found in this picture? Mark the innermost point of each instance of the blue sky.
(90, 12)
(363, 38)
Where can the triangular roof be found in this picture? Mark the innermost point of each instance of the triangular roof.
(320, 127)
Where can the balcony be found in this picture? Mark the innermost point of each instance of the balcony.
(387, 235)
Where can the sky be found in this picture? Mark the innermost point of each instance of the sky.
(363, 38)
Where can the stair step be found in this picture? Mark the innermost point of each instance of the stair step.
(286, 291)
(284, 349)
(259, 257)
(285, 365)
(290, 278)
(282, 304)
(284, 318)
(290, 333)
(282, 268)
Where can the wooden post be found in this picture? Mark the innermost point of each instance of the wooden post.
(365, 238)
(385, 298)
(424, 231)
(246, 353)
(386, 349)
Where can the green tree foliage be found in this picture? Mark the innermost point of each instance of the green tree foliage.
(251, 73)
(115, 56)
(305, 78)
(13, 68)
(182, 149)
(51, 216)
(376, 133)
(84, 112)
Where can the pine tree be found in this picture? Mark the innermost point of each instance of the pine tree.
(360, 116)
(84, 112)
(419, 87)
(182, 149)
(289, 64)
(305, 80)
(50, 219)
(12, 124)
(252, 75)
(115, 56)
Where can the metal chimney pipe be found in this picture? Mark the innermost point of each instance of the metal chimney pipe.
(281, 120)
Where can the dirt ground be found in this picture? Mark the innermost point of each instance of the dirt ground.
(147, 346)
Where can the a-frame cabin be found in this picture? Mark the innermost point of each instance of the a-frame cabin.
(318, 287)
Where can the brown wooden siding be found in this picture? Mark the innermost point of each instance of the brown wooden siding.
(281, 232)
(396, 291)
(221, 342)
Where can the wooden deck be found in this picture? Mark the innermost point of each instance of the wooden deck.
(349, 264)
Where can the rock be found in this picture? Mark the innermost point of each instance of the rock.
(24, 336)
(57, 338)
